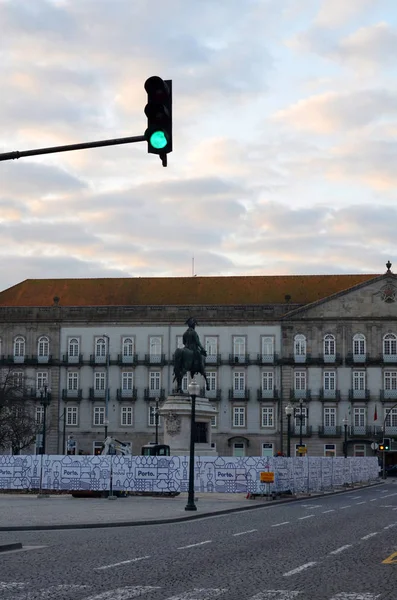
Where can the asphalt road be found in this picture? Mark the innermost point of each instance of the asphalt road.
(326, 548)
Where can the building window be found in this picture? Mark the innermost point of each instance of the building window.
(99, 415)
(128, 347)
(239, 348)
(126, 416)
(359, 449)
(211, 346)
(329, 347)
(300, 347)
(238, 384)
(43, 347)
(212, 380)
(297, 414)
(239, 449)
(185, 383)
(41, 379)
(19, 347)
(359, 346)
(391, 419)
(214, 421)
(16, 379)
(100, 348)
(329, 450)
(267, 348)
(74, 347)
(179, 341)
(73, 380)
(99, 381)
(267, 416)
(39, 415)
(72, 414)
(329, 418)
(152, 416)
(390, 347)
(267, 381)
(359, 418)
(155, 349)
(97, 447)
(358, 380)
(329, 381)
(238, 416)
(127, 380)
(154, 381)
(300, 381)
(267, 449)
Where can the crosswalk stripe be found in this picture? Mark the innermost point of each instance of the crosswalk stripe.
(11, 586)
(199, 594)
(276, 595)
(124, 593)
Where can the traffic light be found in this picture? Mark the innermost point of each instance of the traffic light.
(386, 443)
(159, 116)
(381, 447)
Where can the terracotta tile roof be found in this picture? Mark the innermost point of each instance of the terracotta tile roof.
(161, 291)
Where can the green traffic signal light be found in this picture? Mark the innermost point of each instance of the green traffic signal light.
(158, 140)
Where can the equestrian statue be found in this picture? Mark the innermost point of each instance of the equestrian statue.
(190, 358)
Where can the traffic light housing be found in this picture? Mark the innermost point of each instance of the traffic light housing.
(386, 443)
(159, 116)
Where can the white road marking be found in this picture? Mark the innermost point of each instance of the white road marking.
(386, 506)
(279, 524)
(364, 502)
(199, 594)
(194, 545)
(341, 549)
(124, 562)
(299, 569)
(276, 595)
(244, 532)
(347, 506)
(390, 526)
(352, 596)
(374, 499)
(49, 593)
(389, 495)
(124, 593)
(356, 497)
(306, 517)
(328, 511)
(366, 537)
(11, 585)
(311, 505)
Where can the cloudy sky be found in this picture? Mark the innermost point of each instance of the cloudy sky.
(285, 137)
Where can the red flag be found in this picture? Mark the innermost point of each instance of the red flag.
(375, 413)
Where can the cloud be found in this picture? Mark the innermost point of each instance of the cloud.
(372, 45)
(331, 112)
(334, 13)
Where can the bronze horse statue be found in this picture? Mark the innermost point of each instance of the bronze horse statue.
(190, 358)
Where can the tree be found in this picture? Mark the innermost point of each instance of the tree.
(18, 425)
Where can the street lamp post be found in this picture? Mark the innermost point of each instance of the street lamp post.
(289, 409)
(45, 400)
(194, 390)
(345, 423)
(106, 421)
(157, 420)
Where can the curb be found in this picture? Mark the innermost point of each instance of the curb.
(196, 517)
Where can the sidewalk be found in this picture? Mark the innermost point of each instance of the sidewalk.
(23, 513)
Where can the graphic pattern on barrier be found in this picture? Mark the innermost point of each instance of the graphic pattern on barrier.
(171, 473)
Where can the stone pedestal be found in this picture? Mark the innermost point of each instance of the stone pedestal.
(176, 412)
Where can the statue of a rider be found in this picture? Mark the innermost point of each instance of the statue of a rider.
(191, 341)
(190, 358)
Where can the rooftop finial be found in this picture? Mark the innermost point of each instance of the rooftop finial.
(388, 265)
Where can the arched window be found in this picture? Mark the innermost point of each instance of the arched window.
(43, 347)
(74, 347)
(300, 347)
(329, 347)
(19, 347)
(155, 346)
(100, 347)
(128, 350)
(239, 348)
(359, 346)
(389, 346)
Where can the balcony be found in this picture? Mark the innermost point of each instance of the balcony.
(131, 394)
(210, 394)
(388, 395)
(296, 395)
(72, 359)
(154, 359)
(239, 359)
(267, 394)
(213, 359)
(95, 359)
(306, 431)
(362, 430)
(266, 359)
(389, 358)
(129, 359)
(17, 359)
(150, 395)
(329, 395)
(241, 395)
(357, 359)
(301, 358)
(72, 395)
(390, 430)
(36, 393)
(357, 395)
(97, 394)
(329, 431)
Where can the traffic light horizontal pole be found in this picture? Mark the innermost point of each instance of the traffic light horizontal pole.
(69, 147)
